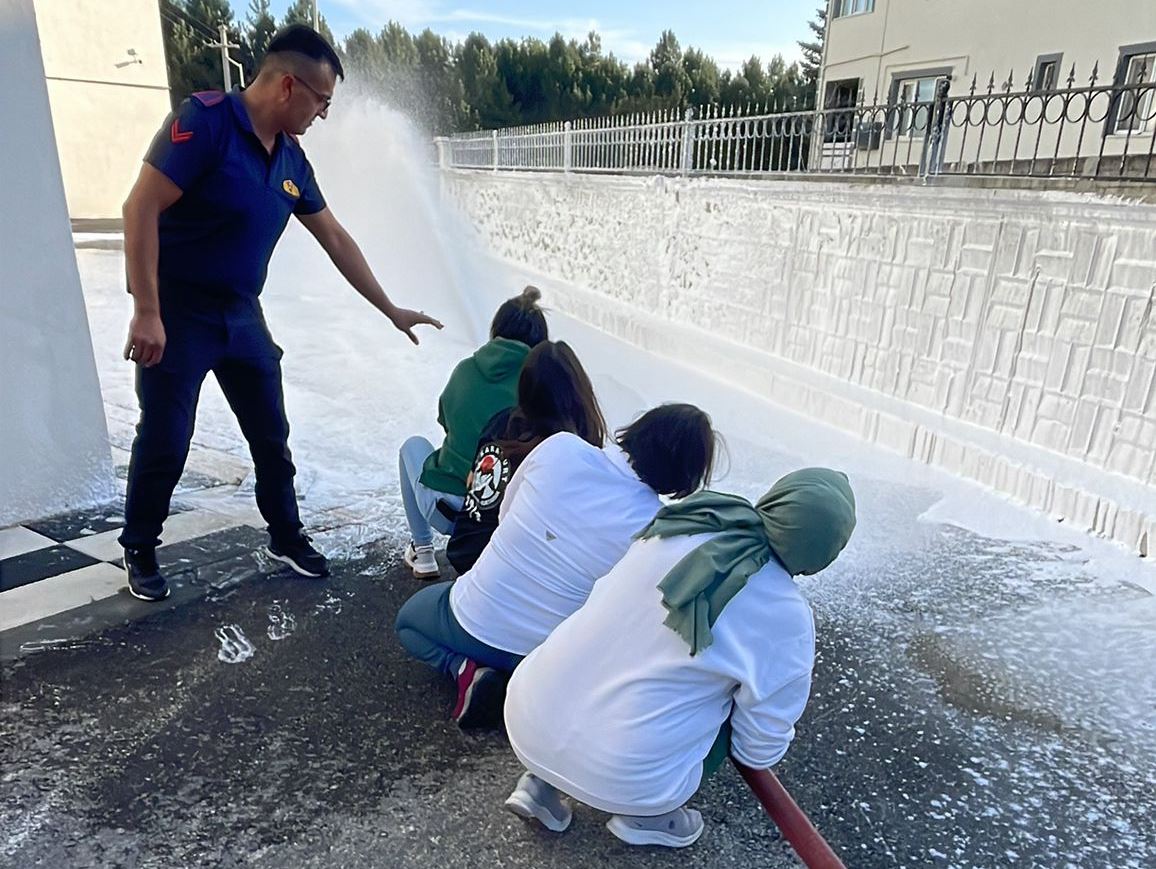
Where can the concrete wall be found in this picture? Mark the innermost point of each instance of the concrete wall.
(54, 451)
(106, 103)
(1007, 336)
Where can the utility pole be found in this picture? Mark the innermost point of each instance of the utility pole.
(226, 62)
(316, 17)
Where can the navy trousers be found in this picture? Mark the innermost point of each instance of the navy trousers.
(239, 350)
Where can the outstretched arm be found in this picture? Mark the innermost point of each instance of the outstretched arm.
(350, 261)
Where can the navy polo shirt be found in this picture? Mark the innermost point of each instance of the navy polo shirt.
(216, 240)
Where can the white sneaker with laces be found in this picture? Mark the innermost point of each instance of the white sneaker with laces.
(675, 829)
(421, 559)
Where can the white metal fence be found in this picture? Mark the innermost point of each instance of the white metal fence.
(1103, 131)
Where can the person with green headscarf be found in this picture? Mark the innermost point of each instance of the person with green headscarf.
(697, 644)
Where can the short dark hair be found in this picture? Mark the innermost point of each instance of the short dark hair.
(304, 40)
(554, 395)
(520, 319)
(671, 448)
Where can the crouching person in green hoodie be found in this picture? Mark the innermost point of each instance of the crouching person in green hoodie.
(433, 482)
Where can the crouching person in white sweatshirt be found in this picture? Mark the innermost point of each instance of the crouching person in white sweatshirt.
(571, 510)
(698, 630)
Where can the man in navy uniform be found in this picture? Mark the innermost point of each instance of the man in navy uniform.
(215, 192)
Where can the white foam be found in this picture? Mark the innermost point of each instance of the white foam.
(355, 389)
(281, 622)
(235, 646)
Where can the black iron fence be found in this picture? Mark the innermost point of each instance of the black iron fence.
(1099, 130)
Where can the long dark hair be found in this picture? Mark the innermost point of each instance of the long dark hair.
(671, 448)
(554, 395)
(521, 319)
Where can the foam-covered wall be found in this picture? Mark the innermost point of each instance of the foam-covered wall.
(54, 452)
(1007, 336)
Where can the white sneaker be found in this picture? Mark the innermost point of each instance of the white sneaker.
(421, 559)
(534, 799)
(675, 829)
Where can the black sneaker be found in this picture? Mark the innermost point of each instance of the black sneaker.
(299, 554)
(144, 576)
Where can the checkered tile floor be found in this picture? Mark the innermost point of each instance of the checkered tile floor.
(51, 568)
(57, 564)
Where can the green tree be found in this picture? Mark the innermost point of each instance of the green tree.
(703, 77)
(488, 101)
(301, 12)
(476, 83)
(563, 86)
(259, 27)
(603, 78)
(399, 71)
(671, 82)
(639, 89)
(365, 58)
(759, 85)
(399, 51)
(439, 84)
(189, 26)
(813, 49)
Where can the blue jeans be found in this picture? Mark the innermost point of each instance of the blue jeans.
(429, 632)
(421, 502)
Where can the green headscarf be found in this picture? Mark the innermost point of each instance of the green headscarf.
(804, 521)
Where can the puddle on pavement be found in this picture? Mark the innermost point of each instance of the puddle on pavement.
(1078, 664)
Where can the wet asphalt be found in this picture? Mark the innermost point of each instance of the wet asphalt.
(139, 746)
(136, 745)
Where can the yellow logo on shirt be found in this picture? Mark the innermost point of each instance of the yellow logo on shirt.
(289, 187)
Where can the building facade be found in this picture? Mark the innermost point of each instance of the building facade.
(108, 87)
(1070, 78)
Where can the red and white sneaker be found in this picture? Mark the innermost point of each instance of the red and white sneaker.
(481, 694)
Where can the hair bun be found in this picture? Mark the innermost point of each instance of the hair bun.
(531, 294)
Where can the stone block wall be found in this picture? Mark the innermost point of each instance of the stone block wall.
(1007, 336)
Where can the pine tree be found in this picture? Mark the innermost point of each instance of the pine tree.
(189, 27)
(449, 87)
(301, 12)
(813, 49)
(261, 27)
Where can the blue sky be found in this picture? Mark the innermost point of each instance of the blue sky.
(729, 32)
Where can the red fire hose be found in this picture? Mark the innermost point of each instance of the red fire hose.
(797, 829)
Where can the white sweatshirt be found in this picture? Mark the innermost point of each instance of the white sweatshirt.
(613, 710)
(570, 512)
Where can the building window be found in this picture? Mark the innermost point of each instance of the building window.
(843, 8)
(1136, 80)
(1047, 72)
(912, 97)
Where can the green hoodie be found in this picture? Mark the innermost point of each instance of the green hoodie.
(480, 386)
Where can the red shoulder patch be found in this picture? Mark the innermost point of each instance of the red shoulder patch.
(177, 134)
(209, 98)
